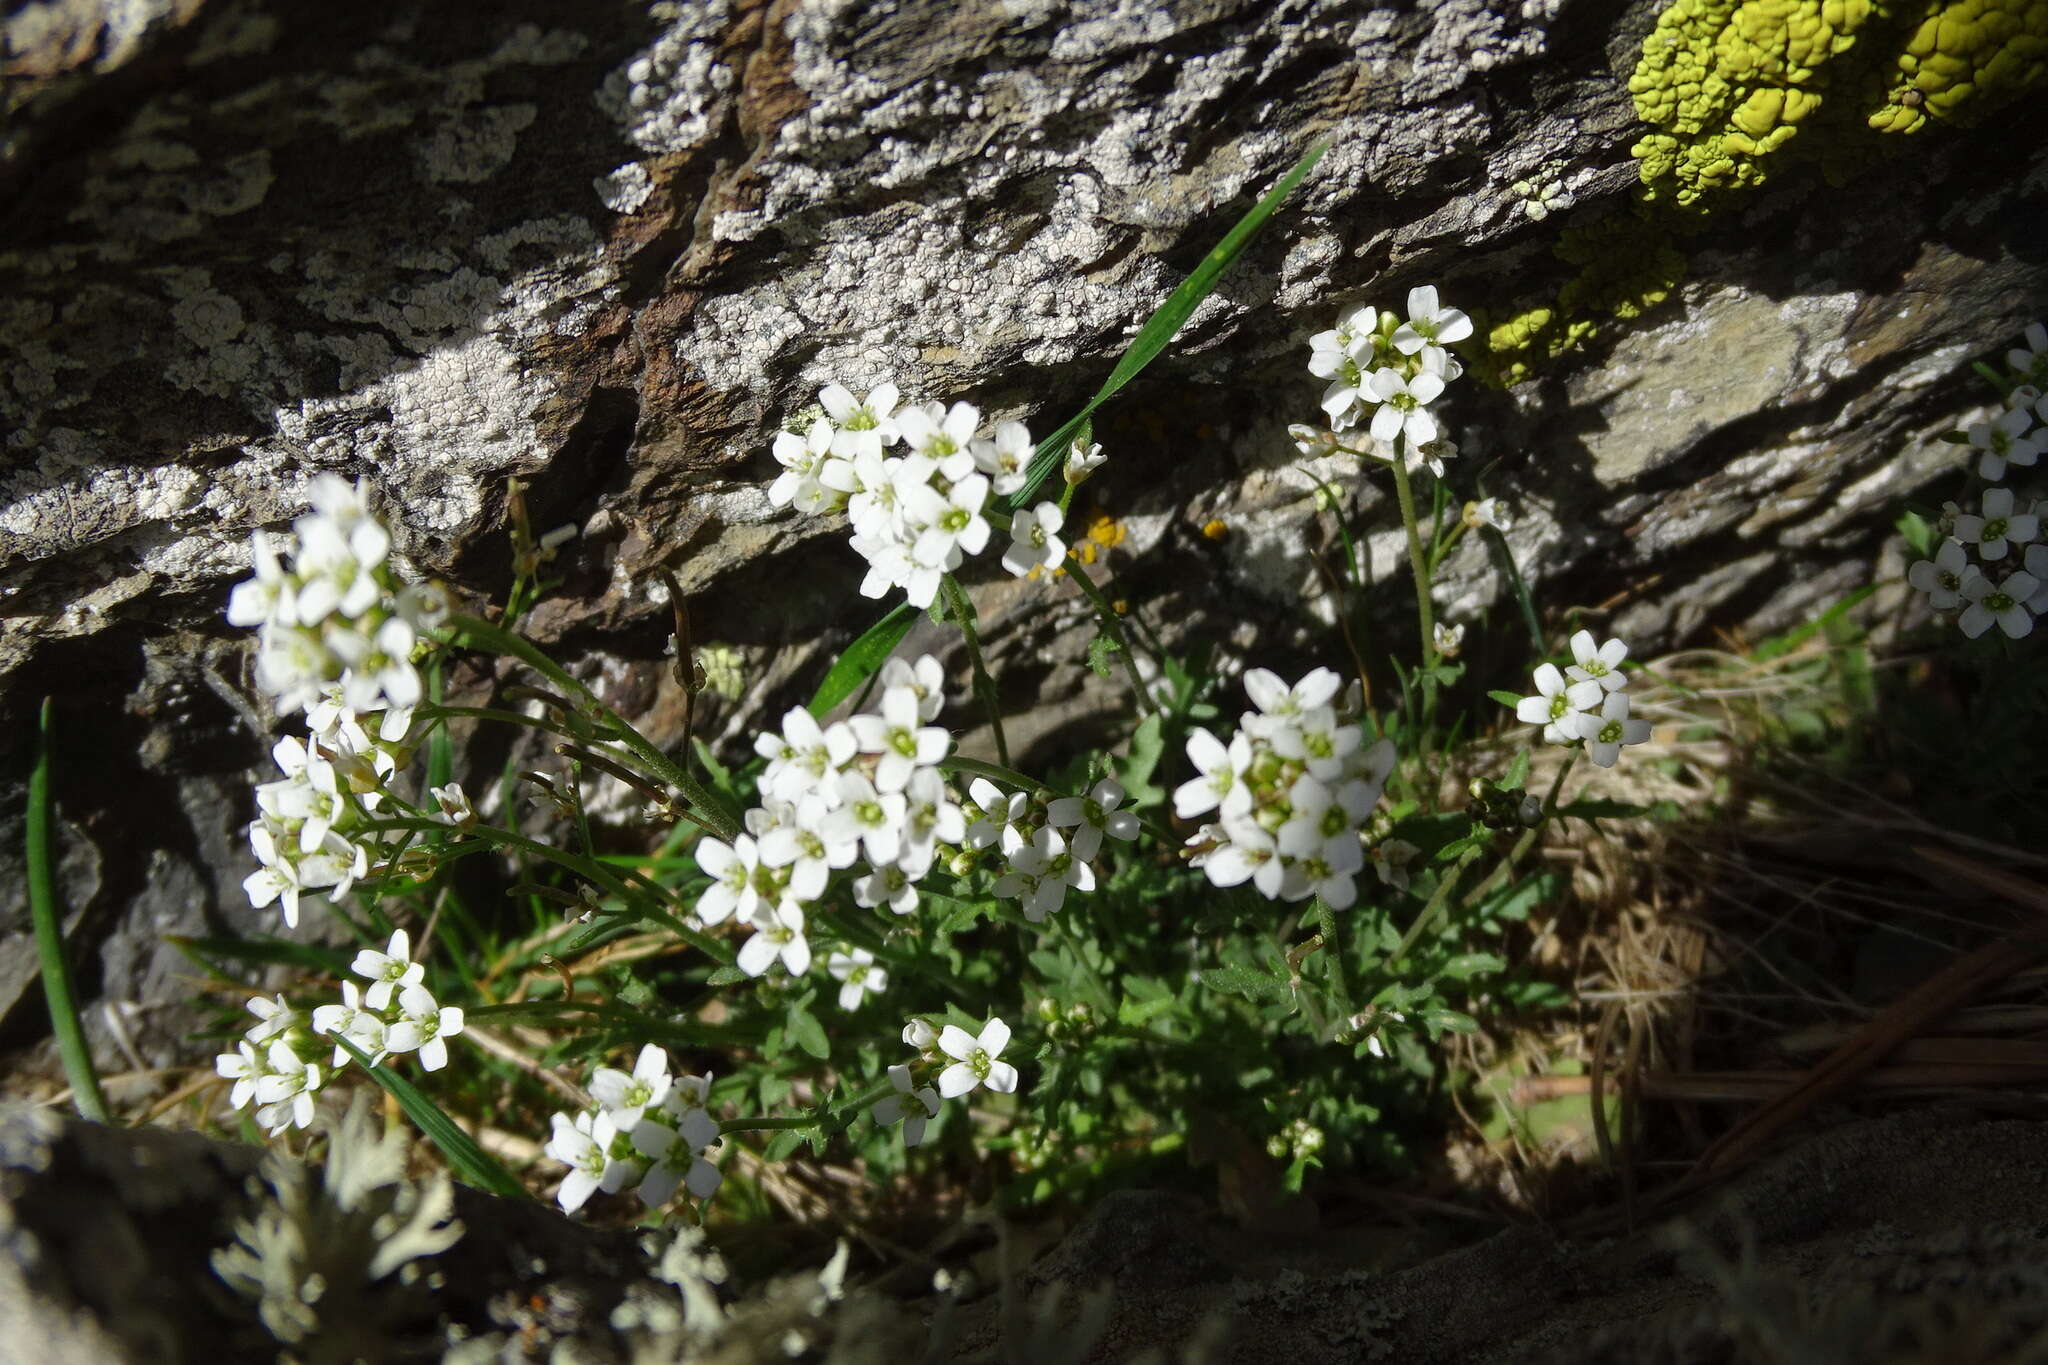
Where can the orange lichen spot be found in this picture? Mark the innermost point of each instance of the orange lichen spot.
(1214, 528)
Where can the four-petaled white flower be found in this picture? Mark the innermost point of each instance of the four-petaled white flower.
(1941, 577)
(273, 1016)
(1034, 539)
(424, 1026)
(731, 867)
(911, 1106)
(352, 1020)
(584, 1145)
(1403, 405)
(2004, 440)
(1600, 663)
(1429, 324)
(1998, 527)
(1556, 702)
(1608, 729)
(626, 1097)
(2004, 602)
(778, 935)
(974, 1060)
(1093, 816)
(1081, 462)
(1487, 512)
(865, 425)
(285, 1090)
(860, 975)
(388, 971)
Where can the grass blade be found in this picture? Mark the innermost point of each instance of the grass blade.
(1165, 321)
(470, 1161)
(49, 925)
(862, 658)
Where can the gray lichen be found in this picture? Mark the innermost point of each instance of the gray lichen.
(335, 1259)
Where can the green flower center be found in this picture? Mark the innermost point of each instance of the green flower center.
(1610, 733)
(1997, 602)
(903, 742)
(1994, 529)
(1559, 705)
(870, 812)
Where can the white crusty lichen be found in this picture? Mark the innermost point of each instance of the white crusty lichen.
(665, 96)
(335, 1260)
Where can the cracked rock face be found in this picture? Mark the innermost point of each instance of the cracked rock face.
(609, 250)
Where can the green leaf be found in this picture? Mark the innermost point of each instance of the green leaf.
(1165, 321)
(728, 975)
(1099, 650)
(1252, 985)
(1468, 965)
(1507, 699)
(1517, 774)
(807, 1033)
(783, 1144)
(1148, 746)
(263, 950)
(1133, 1013)
(863, 658)
(470, 1161)
(47, 914)
(1440, 1020)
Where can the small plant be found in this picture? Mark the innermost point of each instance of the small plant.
(1100, 959)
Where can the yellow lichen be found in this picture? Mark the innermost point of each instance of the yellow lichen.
(1728, 85)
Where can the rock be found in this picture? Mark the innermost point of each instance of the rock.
(610, 253)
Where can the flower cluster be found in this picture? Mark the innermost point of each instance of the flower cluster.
(329, 609)
(1292, 793)
(916, 515)
(1042, 862)
(337, 637)
(2000, 535)
(1587, 703)
(865, 790)
(277, 1064)
(952, 1062)
(649, 1129)
(1384, 371)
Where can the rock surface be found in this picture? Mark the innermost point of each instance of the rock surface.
(609, 252)
(1908, 1238)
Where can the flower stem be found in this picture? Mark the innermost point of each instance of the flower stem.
(1417, 561)
(984, 685)
(483, 634)
(1114, 625)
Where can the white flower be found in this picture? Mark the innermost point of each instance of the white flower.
(1390, 859)
(889, 885)
(675, 1161)
(913, 1108)
(895, 734)
(352, 1021)
(2005, 603)
(1006, 459)
(1487, 512)
(270, 595)
(1033, 539)
(865, 425)
(920, 1034)
(1556, 702)
(2031, 363)
(925, 679)
(940, 433)
(2004, 440)
(1600, 663)
(424, 1026)
(1448, 639)
(1607, 730)
(1081, 462)
(1000, 816)
(974, 1060)
(245, 1067)
(1338, 355)
(1048, 869)
(1403, 406)
(388, 971)
(802, 754)
(1428, 324)
(860, 975)
(1998, 526)
(1219, 767)
(626, 1097)
(953, 525)
(778, 935)
(1941, 577)
(454, 806)
(1279, 702)
(802, 459)
(273, 1016)
(874, 817)
(1094, 815)
(285, 1090)
(583, 1145)
(731, 868)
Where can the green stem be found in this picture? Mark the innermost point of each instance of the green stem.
(49, 925)
(1114, 625)
(483, 634)
(764, 1124)
(1406, 496)
(984, 685)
